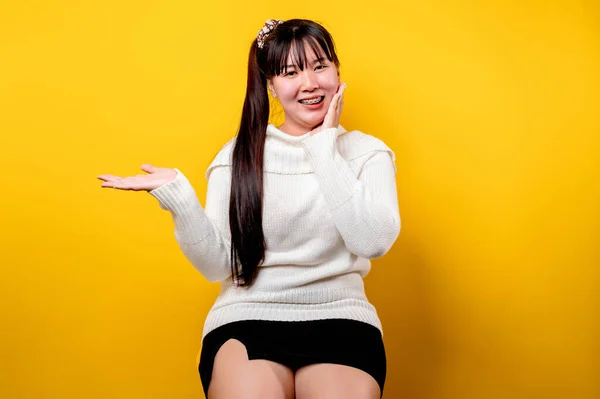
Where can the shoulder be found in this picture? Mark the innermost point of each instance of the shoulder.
(358, 147)
(223, 157)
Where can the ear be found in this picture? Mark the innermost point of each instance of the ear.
(271, 88)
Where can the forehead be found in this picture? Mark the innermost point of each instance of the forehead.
(308, 53)
(308, 56)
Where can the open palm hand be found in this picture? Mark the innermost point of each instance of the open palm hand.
(155, 178)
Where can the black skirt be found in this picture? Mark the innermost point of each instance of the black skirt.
(300, 343)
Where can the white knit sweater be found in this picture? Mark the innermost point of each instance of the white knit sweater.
(330, 205)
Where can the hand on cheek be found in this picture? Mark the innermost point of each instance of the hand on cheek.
(332, 118)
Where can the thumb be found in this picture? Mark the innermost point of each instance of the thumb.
(148, 168)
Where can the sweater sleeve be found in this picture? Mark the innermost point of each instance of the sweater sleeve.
(200, 232)
(364, 207)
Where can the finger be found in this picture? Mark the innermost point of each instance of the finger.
(131, 184)
(107, 177)
(337, 102)
(334, 102)
(342, 90)
(148, 168)
(336, 117)
(111, 184)
(341, 100)
(330, 113)
(118, 184)
(115, 181)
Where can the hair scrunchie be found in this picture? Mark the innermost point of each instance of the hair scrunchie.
(269, 26)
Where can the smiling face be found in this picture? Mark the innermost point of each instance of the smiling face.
(305, 91)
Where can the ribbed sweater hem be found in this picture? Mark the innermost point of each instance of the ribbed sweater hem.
(352, 309)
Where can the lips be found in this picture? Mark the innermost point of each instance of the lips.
(312, 100)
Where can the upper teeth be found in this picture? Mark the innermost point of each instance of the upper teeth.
(313, 101)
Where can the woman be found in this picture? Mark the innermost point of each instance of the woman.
(292, 216)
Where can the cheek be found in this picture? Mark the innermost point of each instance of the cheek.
(288, 94)
(330, 84)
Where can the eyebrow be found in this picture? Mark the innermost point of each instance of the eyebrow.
(317, 61)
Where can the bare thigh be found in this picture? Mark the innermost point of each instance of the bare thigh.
(334, 381)
(234, 376)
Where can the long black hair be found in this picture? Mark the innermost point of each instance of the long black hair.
(246, 201)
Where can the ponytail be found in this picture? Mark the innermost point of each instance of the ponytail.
(246, 200)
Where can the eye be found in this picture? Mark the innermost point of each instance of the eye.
(289, 73)
(322, 66)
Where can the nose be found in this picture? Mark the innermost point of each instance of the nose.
(309, 80)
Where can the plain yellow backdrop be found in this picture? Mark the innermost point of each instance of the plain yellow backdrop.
(491, 291)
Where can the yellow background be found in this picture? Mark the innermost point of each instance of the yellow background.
(492, 107)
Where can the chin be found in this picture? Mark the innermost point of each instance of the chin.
(315, 122)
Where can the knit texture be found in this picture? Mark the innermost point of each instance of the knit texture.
(330, 205)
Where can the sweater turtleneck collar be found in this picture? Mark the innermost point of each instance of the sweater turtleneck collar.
(285, 153)
(275, 133)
